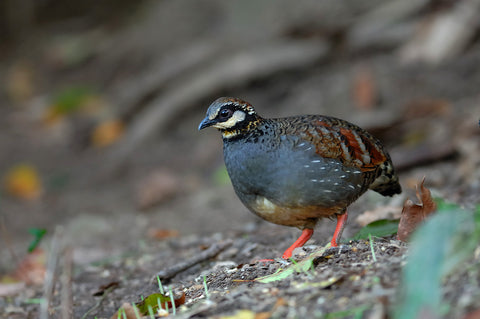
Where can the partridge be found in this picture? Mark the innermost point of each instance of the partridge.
(296, 170)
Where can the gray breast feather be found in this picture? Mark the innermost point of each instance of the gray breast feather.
(291, 174)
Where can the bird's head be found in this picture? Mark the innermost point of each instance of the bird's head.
(231, 116)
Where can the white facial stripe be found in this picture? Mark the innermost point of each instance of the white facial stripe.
(211, 116)
(237, 117)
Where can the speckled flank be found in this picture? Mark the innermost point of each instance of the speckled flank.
(336, 138)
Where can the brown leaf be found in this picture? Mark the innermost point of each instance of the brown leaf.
(126, 309)
(179, 300)
(157, 233)
(475, 314)
(414, 214)
(107, 133)
(31, 269)
(263, 315)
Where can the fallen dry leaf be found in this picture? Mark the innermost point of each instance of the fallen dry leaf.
(31, 269)
(179, 300)
(263, 315)
(126, 311)
(364, 89)
(22, 181)
(156, 233)
(414, 214)
(475, 314)
(107, 133)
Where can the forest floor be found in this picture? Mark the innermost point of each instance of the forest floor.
(159, 199)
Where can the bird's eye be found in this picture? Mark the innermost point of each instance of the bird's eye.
(225, 113)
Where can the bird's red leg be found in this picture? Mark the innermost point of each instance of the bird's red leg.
(341, 222)
(304, 237)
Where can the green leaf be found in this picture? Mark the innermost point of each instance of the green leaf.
(278, 275)
(38, 234)
(71, 99)
(303, 266)
(378, 228)
(443, 205)
(437, 247)
(152, 301)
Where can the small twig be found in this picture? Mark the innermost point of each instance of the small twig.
(52, 264)
(211, 252)
(66, 280)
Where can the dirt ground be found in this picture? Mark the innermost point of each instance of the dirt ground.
(159, 196)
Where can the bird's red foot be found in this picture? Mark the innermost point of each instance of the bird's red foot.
(304, 237)
(341, 221)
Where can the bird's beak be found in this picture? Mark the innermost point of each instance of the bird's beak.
(205, 123)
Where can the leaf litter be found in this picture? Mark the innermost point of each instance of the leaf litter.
(414, 214)
(321, 279)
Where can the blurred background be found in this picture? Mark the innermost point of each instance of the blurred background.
(100, 103)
